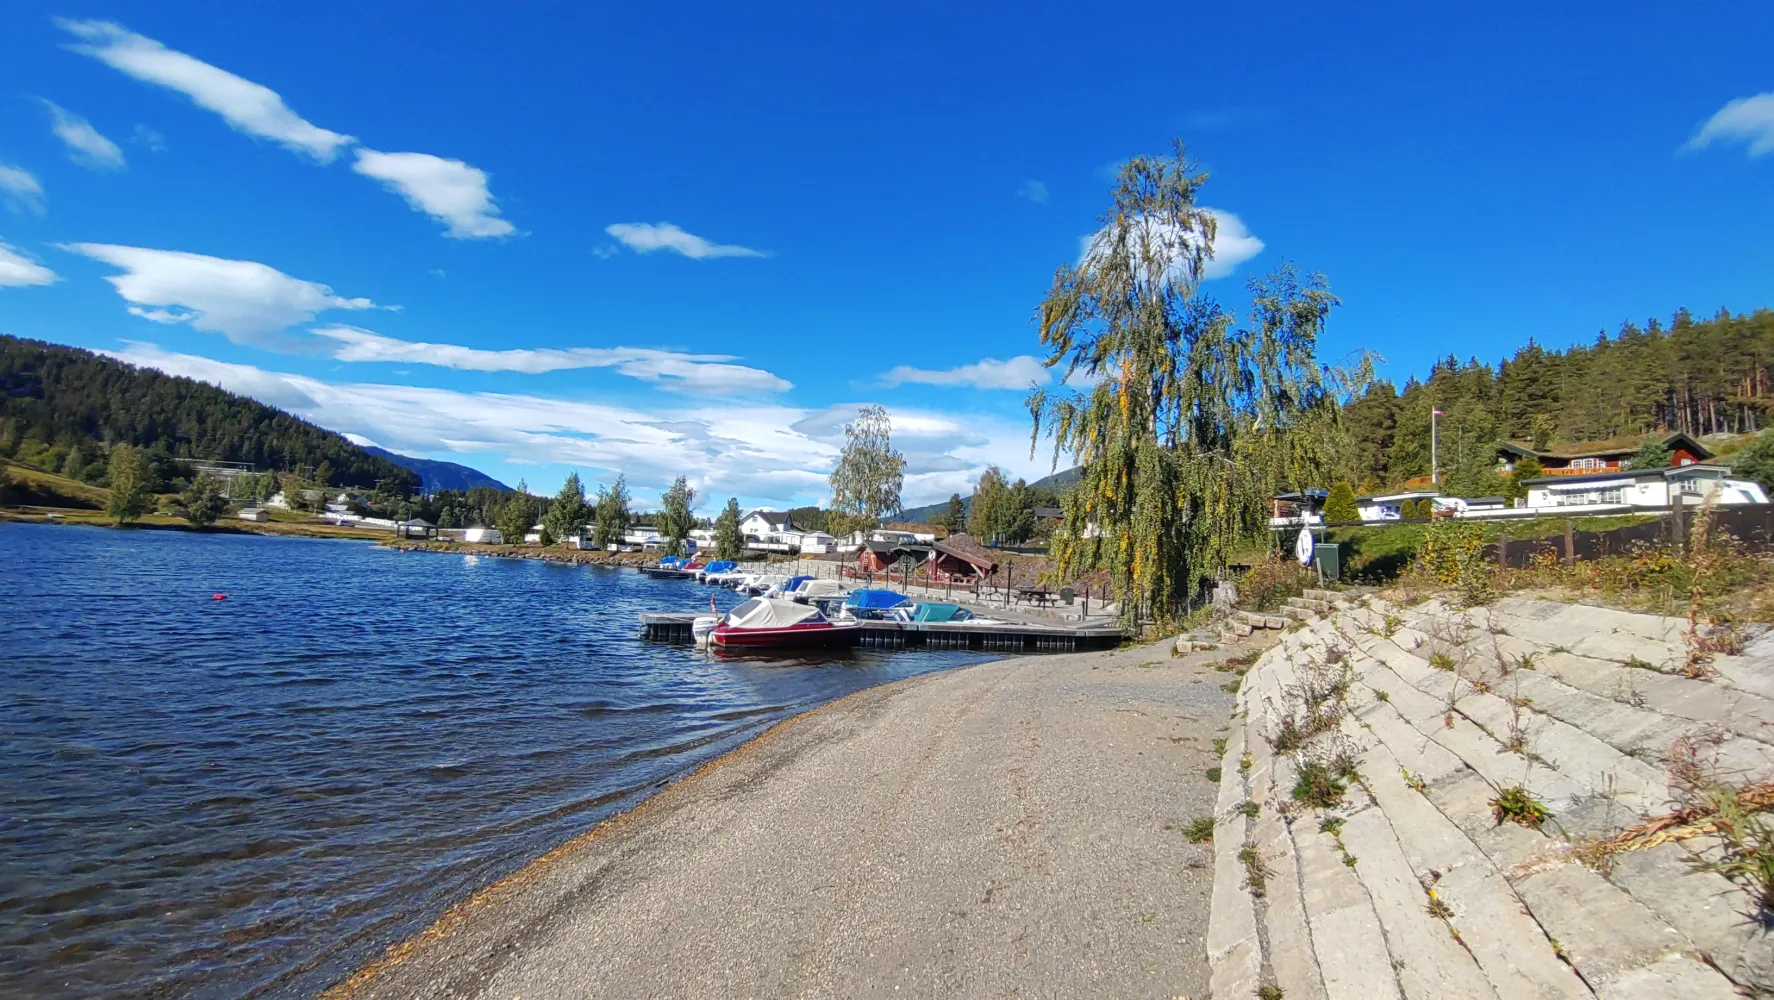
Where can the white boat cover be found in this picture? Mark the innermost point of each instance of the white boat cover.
(820, 588)
(769, 612)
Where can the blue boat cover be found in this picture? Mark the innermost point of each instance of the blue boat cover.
(721, 566)
(942, 613)
(670, 562)
(876, 600)
(793, 582)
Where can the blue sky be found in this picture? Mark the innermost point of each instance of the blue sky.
(693, 239)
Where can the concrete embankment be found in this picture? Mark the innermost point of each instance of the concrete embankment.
(1009, 829)
(1490, 804)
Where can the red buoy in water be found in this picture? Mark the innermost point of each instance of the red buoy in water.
(218, 597)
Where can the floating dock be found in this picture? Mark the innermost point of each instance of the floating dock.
(661, 573)
(1009, 637)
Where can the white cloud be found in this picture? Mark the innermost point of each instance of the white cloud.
(23, 193)
(646, 237)
(247, 301)
(1232, 245)
(18, 270)
(765, 454)
(246, 106)
(85, 145)
(150, 138)
(987, 373)
(450, 191)
(669, 369)
(1748, 120)
(1034, 191)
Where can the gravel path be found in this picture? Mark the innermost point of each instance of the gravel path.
(1012, 829)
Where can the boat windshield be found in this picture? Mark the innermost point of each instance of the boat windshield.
(744, 608)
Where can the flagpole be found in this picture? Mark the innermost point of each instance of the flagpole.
(1434, 457)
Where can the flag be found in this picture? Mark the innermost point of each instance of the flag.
(1439, 413)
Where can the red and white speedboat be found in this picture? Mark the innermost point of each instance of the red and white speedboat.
(771, 623)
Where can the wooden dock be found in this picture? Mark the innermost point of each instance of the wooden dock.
(1008, 637)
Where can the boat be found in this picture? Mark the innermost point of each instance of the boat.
(937, 613)
(771, 623)
(716, 568)
(787, 587)
(810, 589)
(873, 603)
(756, 584)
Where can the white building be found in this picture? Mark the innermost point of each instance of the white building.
(253, 514)
(1389, 506)
(1619, 492)
(482, 536)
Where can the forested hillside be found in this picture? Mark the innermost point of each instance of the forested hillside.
(61, 408)
(1700, 377)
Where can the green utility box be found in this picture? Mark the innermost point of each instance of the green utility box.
(1329, 556)
(1067, 595)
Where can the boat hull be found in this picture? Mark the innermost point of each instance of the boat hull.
(822, 635)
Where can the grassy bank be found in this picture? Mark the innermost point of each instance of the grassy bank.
(1379, 554)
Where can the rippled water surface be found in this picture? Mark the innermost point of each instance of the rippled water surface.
(247, 797)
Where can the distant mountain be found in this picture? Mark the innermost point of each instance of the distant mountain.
(924, 515)
(62, 408)
(439, 475)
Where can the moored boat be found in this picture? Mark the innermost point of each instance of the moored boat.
(770, 623)
(874, 603)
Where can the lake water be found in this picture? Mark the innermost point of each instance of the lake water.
(250, 796)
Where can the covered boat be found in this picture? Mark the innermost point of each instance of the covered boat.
(812, 588)
(769, 623)
(874, 603)
(937, 613)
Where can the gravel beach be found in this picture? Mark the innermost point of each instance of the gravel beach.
(1012, 829)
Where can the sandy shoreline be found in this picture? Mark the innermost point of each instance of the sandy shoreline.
(1011, 828)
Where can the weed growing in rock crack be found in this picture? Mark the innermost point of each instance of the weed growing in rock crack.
(1249, 809)
(1199, 830)
(1634, 663)
(1213, 775)
(1737, 816)
(1515, 805)
(1269, 991)
(1332, 825)
(1322, 784)
(1256, 870)
(1437, 908)
(1383, 695)
(1441, 661)
(1244, 763)
(1219, 746)
(1389, 625)
(1231, 686)
(1414, 782)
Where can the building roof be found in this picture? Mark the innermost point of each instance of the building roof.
(774, 518)
(1674, 470)
(964, 548)
(1405, 495)
(1616, 447)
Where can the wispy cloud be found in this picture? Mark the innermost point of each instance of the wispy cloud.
(1233, 243)
(23, 193)
(20, 270)
(1034, 191)
(760, 452)
(1019, 372)
(708, 373)
(248, 107)
(646, 237)
(155, 142)
(248, 302)
(1746, 120)
(85, 145)
(450, 191)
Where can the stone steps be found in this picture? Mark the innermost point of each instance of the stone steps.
(1446, 710)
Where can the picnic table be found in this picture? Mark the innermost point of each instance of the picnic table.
(1037, 596)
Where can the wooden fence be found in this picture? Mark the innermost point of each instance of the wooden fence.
(1752, 525)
